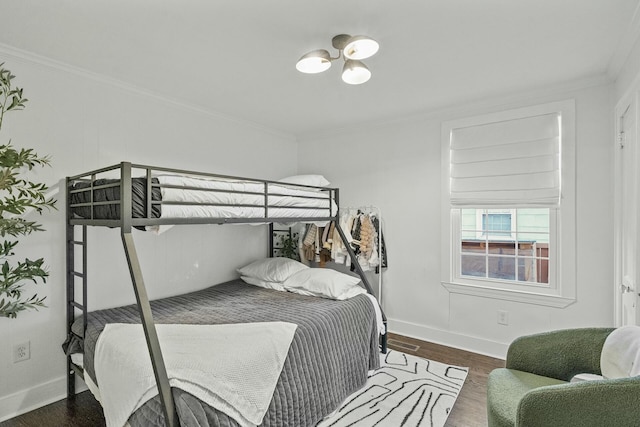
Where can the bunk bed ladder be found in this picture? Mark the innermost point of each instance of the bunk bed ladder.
(72, 304)
(150, 333)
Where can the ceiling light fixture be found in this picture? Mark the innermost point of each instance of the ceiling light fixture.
(350, 48)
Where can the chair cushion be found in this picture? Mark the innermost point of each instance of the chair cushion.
(505, 389)
(620, 357)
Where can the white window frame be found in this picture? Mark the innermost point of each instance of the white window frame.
(561, 290)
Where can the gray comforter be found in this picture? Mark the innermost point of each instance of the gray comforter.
(334, 346)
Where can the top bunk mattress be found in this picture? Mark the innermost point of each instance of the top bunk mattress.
(180, 197)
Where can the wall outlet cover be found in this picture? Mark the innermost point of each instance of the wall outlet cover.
(21, 352)
(503, 317)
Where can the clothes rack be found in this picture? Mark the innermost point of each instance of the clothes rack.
(376, 211)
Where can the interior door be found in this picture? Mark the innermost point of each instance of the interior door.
(628, 199)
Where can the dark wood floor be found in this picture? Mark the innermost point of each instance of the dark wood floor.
(468, 411)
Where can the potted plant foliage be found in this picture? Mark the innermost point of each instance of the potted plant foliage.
(288, 245)
(18, 196)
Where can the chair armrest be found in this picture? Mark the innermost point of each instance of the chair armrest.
(559, 354)
(582, 404)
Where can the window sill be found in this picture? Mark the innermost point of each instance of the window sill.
(546, 299)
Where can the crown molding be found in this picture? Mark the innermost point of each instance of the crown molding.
(27, 57)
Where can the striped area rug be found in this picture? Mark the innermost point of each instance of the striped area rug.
(406, 391)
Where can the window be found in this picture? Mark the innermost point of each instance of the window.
(506, 245)
(510, 205)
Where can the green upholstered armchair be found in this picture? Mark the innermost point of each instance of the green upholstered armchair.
(534, 388)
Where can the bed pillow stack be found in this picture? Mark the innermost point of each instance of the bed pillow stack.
(325, 283)
(284, 274)
(270, 273)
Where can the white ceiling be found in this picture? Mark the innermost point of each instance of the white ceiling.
(237, 57)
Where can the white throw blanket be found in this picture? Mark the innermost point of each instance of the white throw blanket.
(233, 368)
(620, 357)
(376, 307)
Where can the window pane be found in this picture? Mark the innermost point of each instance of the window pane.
(502, 248)
(474, 246)
(502, 268)
(526, 248)
(542, 266)
(469, 228)
(472, 265)
(533, 270)
(533, 224)
(527, 271)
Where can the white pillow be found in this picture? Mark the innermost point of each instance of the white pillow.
(620, 357)
(263, 284)
(324, 282)
(313, 180)
(272, 269)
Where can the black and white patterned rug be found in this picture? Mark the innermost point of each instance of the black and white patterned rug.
(406, 391)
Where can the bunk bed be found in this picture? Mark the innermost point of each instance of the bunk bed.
(128, 196)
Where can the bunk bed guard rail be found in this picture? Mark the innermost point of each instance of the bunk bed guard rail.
(97, 198)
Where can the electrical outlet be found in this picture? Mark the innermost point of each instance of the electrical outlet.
(21, 352)
(503, 317)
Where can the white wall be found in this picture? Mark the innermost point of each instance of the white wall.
(630, 72)
(85, 122)
(397, 167)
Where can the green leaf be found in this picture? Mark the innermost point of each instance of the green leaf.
(18, 196)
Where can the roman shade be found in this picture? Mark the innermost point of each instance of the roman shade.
(510, 163)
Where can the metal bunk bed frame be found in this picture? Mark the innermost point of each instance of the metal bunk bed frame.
(126, 222)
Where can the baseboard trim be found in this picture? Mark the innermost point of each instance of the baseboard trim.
(36, 397)
(448, 338)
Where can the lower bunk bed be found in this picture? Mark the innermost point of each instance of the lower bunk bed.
(334, 346)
